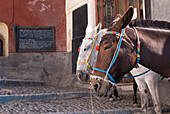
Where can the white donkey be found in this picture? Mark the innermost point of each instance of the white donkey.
(87, 54)
(146, 83)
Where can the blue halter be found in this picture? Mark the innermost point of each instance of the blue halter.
(114, 59)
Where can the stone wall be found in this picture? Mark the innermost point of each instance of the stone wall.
(53, 68)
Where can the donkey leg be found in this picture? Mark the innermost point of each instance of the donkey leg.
(143, 95)
(116, 93)
(144, 99)
(153, 88)
(135, 87)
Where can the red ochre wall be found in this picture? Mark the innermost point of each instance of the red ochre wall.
(35, 13)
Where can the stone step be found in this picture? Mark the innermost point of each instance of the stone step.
(42, 96)
(15, 82)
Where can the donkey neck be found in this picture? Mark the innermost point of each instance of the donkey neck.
(155, 46)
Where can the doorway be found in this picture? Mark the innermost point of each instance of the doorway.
(79, 26)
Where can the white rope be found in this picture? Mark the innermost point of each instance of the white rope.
(100, 78)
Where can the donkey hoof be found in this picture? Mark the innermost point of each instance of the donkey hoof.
(111, 99)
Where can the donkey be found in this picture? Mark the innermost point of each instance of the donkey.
(148, 83)
(125, 51)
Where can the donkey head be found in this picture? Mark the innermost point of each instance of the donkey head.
(108, 46)
(87, 53)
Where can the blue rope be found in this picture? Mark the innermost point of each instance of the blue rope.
(138, 74)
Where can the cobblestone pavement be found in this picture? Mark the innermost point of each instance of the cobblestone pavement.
(80, 104)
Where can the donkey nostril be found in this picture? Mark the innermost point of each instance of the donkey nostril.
(87, 77)
(96, 86)
(80, 76)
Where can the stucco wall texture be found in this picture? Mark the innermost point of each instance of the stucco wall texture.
(35, 13)
(160, 10)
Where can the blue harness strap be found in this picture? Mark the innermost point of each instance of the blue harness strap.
(97, 69)
(117, 51)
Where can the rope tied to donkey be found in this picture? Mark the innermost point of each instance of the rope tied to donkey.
(91, 98)
(138, 48)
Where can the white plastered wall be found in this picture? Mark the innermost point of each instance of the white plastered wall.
(72, 5)
(160, 10)
(4, 38)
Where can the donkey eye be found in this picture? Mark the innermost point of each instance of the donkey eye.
(98, 79)
(85, 49)
(107, 47)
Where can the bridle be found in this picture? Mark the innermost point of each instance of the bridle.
(86, 61)
(113, 82)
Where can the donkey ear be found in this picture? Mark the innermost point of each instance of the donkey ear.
(123, 21)
(118, 16)
(88, 31)
(99, 27)
(96, 30)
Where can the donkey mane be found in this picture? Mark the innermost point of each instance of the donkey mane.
(150, 24)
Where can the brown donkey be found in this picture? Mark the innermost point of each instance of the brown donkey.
(154, 37)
